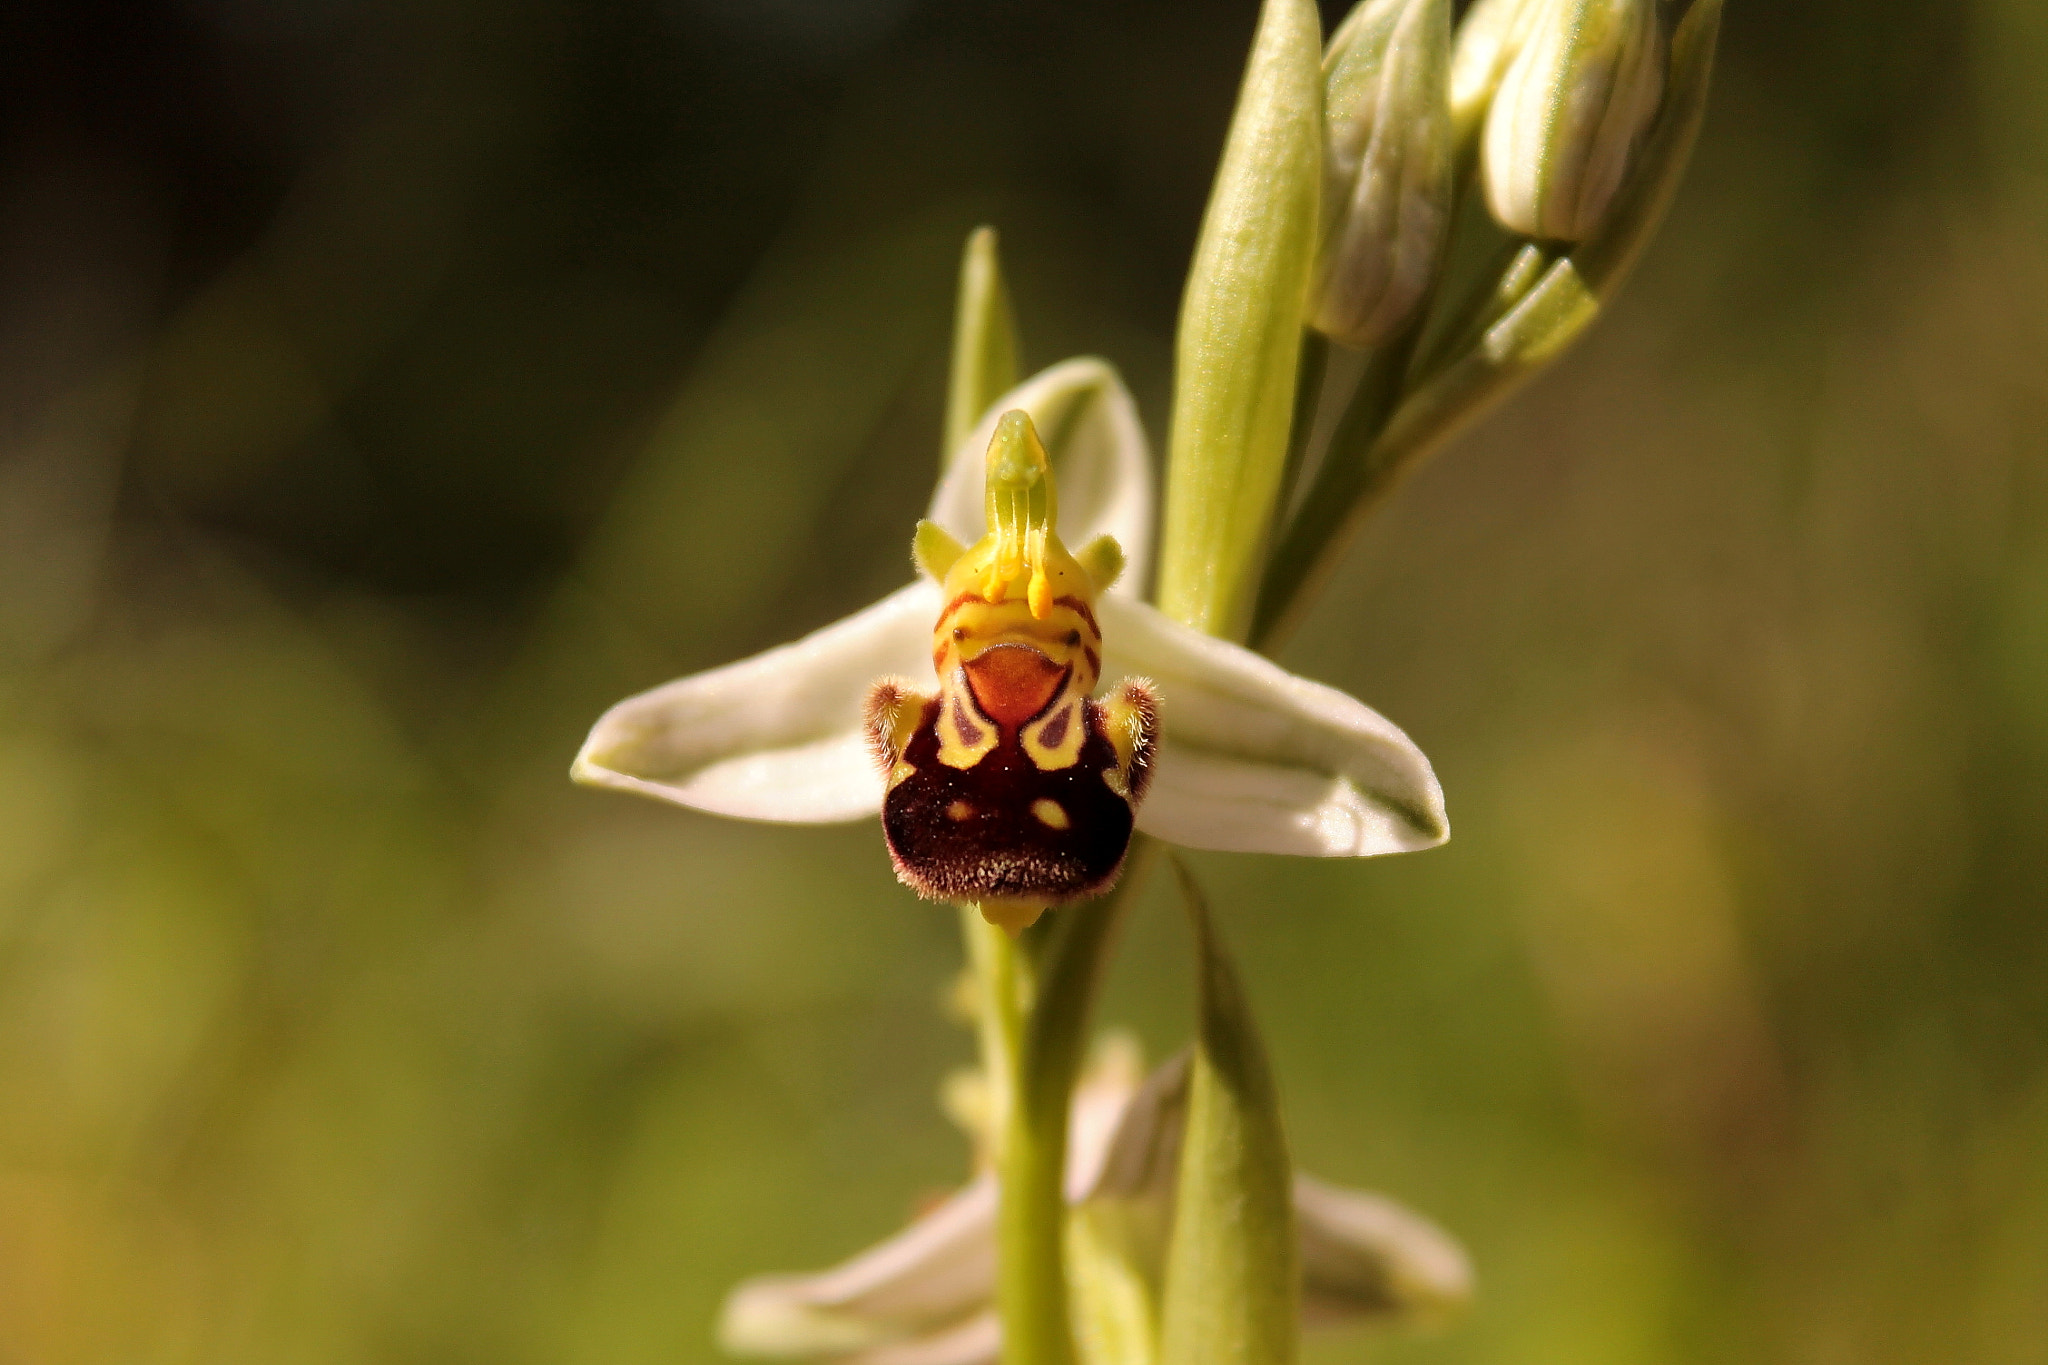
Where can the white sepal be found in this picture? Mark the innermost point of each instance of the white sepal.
(1090, 427)
(1253, 759)
(774, 737)
(1364, 1255)
(927, 1278)
(925, 1295)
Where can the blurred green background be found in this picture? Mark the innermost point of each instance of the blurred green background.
(385, 388)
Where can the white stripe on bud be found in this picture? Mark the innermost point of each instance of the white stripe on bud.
(1571, 107)
(1387, 167)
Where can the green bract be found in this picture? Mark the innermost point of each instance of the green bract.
(1239, 342)
(1233, 1269)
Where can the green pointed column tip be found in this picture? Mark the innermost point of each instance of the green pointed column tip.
(1239, 342)
(985, 349)
(1019, 497)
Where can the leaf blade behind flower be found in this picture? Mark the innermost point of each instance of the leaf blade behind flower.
(1233, 1276)
(1239, 340)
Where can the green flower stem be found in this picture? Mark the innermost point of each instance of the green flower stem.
(1304, 551)
(1309, 382)
(1353, 487)
(1030, 1152)
(1037, 996)
(1002, 990)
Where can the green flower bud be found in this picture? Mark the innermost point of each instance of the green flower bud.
(1386, 167)
(1489, 36)
(1572, 106)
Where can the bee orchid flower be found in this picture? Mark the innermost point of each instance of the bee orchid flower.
(961, 707)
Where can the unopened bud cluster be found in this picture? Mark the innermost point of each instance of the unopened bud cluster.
(1551, 98)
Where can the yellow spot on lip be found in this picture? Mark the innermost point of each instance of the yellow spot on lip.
(1050, 812)
(960, 810)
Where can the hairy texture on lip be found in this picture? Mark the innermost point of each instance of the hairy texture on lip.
(972, 834)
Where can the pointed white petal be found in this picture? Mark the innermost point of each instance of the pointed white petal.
(1253, 759)
(1363, 1255)
(775, 737)
(930, 1276)
(977, 1341)
(1101, 1104)
(1143, 1154)
(1090, 427)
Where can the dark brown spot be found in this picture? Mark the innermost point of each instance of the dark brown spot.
(1055, 730)
(1094, 662)
(970, 733)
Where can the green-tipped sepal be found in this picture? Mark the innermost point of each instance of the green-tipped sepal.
(985, 347)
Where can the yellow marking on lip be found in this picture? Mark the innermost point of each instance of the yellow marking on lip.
(959, 810)
(1055, 742)
(1050, 813)
(965, 735)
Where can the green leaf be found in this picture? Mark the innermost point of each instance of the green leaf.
(1239, 340)
(1111, 1299)
(984, 339)
(1233, 1279)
